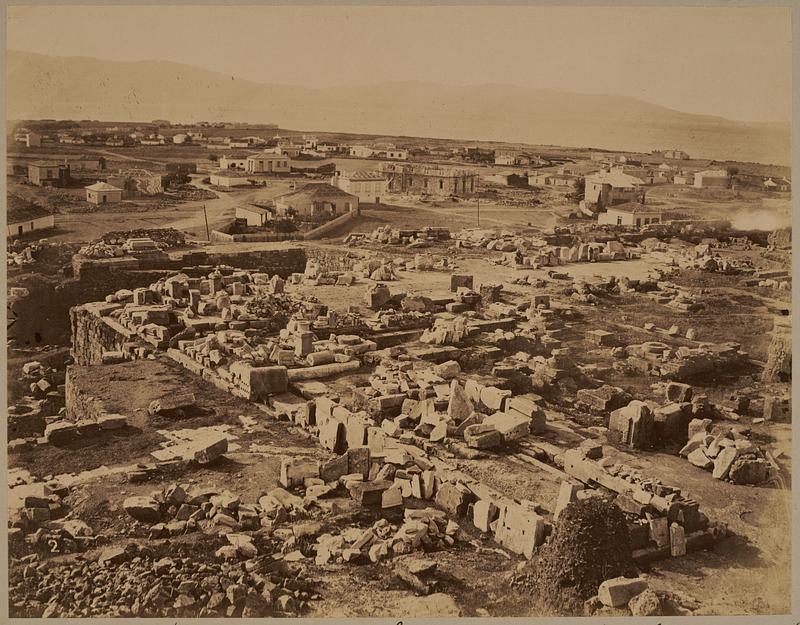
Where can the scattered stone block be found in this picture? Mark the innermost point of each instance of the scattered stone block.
(617, 592)
(145, 509)
(677, 541)
(294, 471)
(519, 529)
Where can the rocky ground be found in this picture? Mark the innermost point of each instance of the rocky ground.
(130, 535)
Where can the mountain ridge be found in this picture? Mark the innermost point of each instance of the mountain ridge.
(41, 86)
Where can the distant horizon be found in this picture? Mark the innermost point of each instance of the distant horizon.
(697, 60)
(409, 81)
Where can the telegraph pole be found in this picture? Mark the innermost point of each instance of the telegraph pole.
(205, 216)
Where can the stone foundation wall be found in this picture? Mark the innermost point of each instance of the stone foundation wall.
(280, 261)
(79, 404)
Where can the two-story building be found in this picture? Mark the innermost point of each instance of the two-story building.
(48, 174)
(607, 188)
(369, 186)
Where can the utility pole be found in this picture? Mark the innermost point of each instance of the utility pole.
(478, 203)
(205, 216)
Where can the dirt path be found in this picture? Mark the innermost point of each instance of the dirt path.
(124, 157)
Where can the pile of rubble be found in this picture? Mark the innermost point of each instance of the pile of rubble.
(386, 235)
(20, 254)
(703, 256)
(490, 239)
(29, 416)
(190, 193)
(163, 237)
(422, 529)
(551, 256)
(727, 453)
(133, 581)
(180, 509)
(662, 521)
(684, 364)
(40, 520)
(101, 250)
(373, 268)
(432, 409)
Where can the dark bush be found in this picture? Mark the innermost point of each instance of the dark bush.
(589, 544)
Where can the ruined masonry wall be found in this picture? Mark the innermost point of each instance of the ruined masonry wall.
(43, 316)
(79, 405)
(282, 262)
(91, 336)
(332, 260)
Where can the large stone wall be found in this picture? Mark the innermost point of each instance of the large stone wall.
(92, 335)
(42, 317)
(282, 262)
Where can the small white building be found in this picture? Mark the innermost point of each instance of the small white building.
(229, 178)
(239, 143)
(369, 186)
(361, 151)
(103, 193)
(316, 199)
(712, 178)
(254, 215)
(233, 161)
(631, 214)
(268, 163)
(23, 217)
(396, 154)
(33, 140)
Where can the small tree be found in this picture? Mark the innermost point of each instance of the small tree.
(284, 225)
(579, 190)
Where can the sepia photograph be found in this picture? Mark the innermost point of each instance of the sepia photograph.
(398, 312)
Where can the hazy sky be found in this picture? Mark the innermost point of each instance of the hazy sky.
(732, 62)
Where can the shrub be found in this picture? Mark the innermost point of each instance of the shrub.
(589, 544)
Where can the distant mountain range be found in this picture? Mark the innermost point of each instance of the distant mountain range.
(85, 88)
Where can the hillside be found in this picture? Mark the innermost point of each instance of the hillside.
(83, 88)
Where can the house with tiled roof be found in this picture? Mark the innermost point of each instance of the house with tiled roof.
(316, 199)
(23, 217)
(369, 186)
(103, 193)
